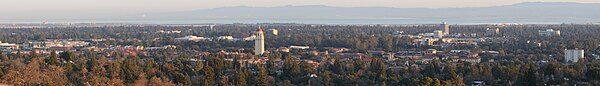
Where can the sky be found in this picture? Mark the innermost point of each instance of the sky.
(70, 8)
(136, 6)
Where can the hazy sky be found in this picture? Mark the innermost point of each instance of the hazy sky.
(70, 8)
(25, 6)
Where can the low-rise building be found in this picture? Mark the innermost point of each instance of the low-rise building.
(299, 47)
(549, 32)
(337, 50)
(251, 38)
(8, 46)
(225, 38)
(283, 49)
(190, 38)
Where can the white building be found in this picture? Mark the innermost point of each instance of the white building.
(438, 34)
(251, 38)
(259, 42)
(225, 38)
(8, 46)
(549, 32)
(190, 38)
(299, 47)
(275, 32)
(573, 55)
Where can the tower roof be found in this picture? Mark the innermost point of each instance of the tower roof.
(260, 29)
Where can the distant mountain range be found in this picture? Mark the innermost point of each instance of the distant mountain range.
(560, 10)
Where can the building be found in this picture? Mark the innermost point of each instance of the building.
(444, 26)
(190, 38)
(275, 32)
(8, 46)
(259, 42)
(251, 38)
(299, 47)
(549, 32)
(283, 49)
(430, 52)
(337, 50)
(573, 55)
(424, 41)
(438, 34)
(490, 32)
(168, 32)
(413, 54)
(57, 43)
(225, 38)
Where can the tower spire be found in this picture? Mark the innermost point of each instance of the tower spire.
(260, 29)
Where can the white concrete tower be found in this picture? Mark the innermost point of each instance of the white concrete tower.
(259, 42)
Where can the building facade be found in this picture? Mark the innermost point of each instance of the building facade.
(8, 46)
(573, 55)
(259, 42)
(275, 32)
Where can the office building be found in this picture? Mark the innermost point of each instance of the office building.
(573, 55)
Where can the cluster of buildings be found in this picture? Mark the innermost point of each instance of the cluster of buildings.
(549, 32)
(416, 55)
(8, 46)
(228, 38)
(430, 54)
(58, 45)
(253, 37)
(443, 37)
(70, 45)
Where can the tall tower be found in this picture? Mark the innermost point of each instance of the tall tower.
(259, 42)
(444, 26)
